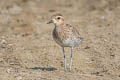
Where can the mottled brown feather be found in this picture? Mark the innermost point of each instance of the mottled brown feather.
(64, 32)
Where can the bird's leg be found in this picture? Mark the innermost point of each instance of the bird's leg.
(64, 59)
(71, 59)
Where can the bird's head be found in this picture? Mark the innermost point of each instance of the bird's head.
(56, 19)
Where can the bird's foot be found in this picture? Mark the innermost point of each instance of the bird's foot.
(65, 70)
(70, 70)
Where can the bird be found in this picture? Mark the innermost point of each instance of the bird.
(65, 35)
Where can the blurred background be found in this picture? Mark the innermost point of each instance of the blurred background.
(28, 51)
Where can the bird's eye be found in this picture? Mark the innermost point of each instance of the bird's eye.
(58, 18)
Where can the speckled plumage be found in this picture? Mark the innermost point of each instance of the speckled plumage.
(65, 35)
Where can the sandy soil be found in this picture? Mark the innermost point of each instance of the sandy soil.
(28, 51)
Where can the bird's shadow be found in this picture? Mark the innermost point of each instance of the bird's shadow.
(44, 68)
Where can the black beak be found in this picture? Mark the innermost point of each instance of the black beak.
(50, 22)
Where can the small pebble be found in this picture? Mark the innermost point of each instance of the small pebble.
(102, 17)
(3, 43)
(19, 78)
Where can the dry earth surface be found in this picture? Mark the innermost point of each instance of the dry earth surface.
(28, 51)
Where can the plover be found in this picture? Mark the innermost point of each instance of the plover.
(65, 35)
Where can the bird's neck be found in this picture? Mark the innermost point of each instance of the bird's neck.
(59, 24)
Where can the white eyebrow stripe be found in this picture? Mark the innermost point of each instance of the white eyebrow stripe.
(58, 16)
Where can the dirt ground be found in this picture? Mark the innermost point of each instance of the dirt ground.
(28, 51)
